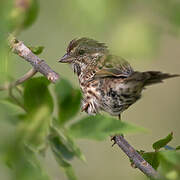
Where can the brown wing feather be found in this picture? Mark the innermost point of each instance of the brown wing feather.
(114, 67)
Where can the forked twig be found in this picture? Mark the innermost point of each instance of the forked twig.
(19, 48)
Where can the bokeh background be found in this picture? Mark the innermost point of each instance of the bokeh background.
(147, 34)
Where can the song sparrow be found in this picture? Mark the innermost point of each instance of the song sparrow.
(108, 82)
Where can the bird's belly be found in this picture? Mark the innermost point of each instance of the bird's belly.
(116, 106)
(91, 102)
(109, 96)
(118, 98)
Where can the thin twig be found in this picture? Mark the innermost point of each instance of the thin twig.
(19, 90)
(38, 64)
(137, 159)
(15, 99)
(25, 77)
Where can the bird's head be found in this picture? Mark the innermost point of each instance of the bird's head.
(83, 52)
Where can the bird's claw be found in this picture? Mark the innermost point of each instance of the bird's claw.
(113, 139)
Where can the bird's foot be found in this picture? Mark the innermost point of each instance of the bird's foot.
(113, 138)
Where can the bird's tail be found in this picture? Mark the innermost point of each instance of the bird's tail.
(150, 77)
(153, 77)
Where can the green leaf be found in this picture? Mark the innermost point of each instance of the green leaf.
(36, 94)
(37, 50)
(75, 148)
(162, 142)
(170, 164)
(65, 144)
(172, 175)
(24, 163)
(60, 146)
(63, 163)
(68, 100)
(35, 169)
(9, 111)
(35, 128)
(11, 107)
(172, 157)
(99, 127)
(151, 158)
(23, 15)
(178, 148)
(32, 13)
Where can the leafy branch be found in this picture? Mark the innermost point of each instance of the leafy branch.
(39, 65)
(136, 158)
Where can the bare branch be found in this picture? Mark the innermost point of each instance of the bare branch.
(38, 64)
(137, 159)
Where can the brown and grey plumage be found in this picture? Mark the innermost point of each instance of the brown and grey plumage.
(108, 82)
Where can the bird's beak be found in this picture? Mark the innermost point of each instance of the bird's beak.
(66, 59)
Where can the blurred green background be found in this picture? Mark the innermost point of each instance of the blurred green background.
(147, 34)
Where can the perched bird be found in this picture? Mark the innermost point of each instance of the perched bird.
(108, 82)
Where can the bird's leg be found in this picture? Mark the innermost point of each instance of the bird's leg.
(119, 116)
(113, 137)
(120, 120)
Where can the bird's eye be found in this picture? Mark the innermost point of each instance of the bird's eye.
(81, 52)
